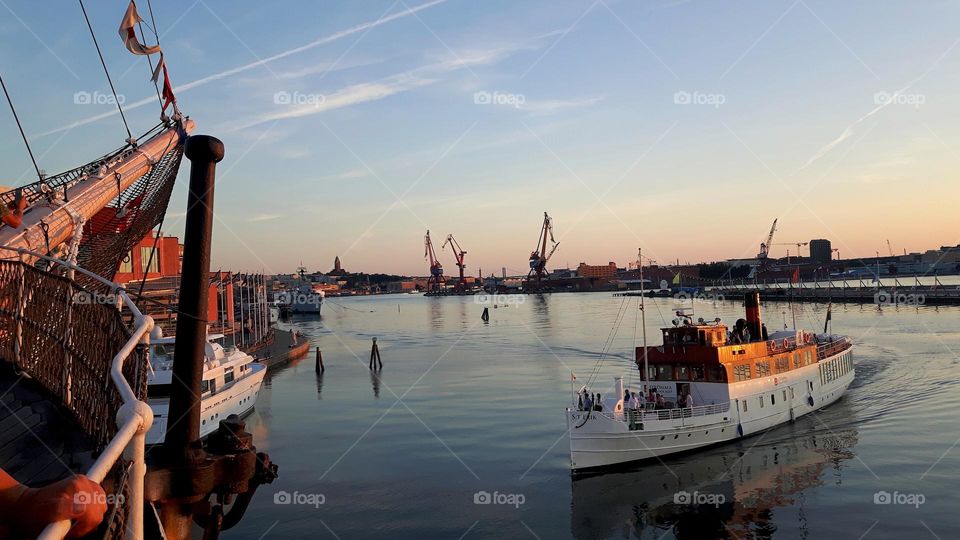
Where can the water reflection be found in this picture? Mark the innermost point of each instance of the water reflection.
(436, 312)
(735, 489)
(320, 386)
(375, 383)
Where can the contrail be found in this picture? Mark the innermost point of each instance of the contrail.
(246, 67)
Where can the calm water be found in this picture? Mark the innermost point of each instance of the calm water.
(462, 407)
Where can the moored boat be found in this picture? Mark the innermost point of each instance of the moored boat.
(709, 385)
(231, 383)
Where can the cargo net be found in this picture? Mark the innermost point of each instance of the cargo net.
(112, 232)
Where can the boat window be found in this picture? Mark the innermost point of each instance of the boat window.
(808, 359)
(664, 372)
(773, 399)
(683, 373)
(763, 369)
(716, 373)
(744, 406)
(785, 394)
(741, 373)
(783, 364)
(696, 373)
(204, 387)
(158, 390)
(761, 402)
(228, 376)
(791, 392)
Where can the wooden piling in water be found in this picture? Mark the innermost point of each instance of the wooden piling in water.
(375, 357)
(319, 366)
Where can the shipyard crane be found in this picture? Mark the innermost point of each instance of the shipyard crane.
(435, 282)
(765, 246)
(798, 244)
(889, 247)
(539, 257)
(459, 254)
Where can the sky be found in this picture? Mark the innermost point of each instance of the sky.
(683, 127)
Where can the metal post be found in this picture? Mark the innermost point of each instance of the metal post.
(204, 152)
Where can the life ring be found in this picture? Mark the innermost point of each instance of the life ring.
(772, 344)
(784, 343)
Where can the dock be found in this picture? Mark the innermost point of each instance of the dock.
(861, 292)
(280, 350)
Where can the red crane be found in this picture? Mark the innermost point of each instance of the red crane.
(458, 253)
(539, 257)
(435, 282)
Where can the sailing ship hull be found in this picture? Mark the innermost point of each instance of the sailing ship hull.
(602, 439)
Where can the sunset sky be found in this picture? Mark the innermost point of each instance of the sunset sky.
(684, 127)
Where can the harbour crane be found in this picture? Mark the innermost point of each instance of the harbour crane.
(459, 254)
(435, 282)
(889, 247)
(798, 244)
(765, 246)
(539, 257)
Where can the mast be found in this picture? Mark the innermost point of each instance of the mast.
(643, 322)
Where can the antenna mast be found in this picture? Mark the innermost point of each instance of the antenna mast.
(643, 323)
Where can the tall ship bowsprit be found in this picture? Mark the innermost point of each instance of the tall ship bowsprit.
(707, 385)
(75, 346)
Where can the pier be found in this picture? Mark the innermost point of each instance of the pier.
(897, 293)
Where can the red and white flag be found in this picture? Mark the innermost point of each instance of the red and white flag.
(129, 36)
(167, 92)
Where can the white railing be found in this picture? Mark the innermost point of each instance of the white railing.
(133, 419)
(838, 345)
(650, 415)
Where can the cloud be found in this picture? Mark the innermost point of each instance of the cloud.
(551, 106)
(347, 175)
(263, 217)
(362, 27)
(385, 87)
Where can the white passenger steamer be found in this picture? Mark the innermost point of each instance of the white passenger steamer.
(739, 386)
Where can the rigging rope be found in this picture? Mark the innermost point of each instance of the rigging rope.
(143, 35)
(126, 126)
(22, 134)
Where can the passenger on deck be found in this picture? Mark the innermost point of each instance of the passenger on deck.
(661, 404)
(681, 401)
(689, 400)
(588, 402)
(25, 511)
(633, 403)
(598, 404)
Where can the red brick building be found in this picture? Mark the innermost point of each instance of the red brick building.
(162, 284)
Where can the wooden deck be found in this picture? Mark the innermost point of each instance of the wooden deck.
(39, 442)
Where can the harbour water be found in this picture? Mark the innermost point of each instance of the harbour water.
(462, 434)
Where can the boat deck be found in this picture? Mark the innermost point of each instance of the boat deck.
(40, 443)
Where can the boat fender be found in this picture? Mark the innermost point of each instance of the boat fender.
(784, 343)
(810, 400)
(739, 430)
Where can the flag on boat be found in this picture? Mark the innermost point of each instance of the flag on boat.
(130, 19)
(676, 279)
(167, 92)
(829, 317)
(795, 278)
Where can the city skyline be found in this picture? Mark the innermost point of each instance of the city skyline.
(352, 135)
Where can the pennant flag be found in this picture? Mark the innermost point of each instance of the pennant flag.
(676, 279)
(167, 92)
(129, 36)
(829, 316)
(795, 278)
